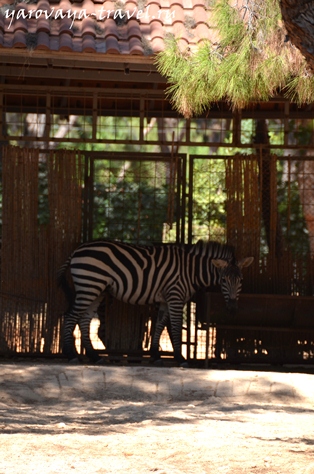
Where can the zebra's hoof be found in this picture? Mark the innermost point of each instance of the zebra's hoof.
(100, 361)
(184, 365)
(74, 361)
(158, 363)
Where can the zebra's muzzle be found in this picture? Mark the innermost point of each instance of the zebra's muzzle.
(232, 306)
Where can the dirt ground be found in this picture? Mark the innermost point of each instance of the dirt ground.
(119, 435)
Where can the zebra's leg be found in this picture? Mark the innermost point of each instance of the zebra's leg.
(162, 321)
(168, 326)
(84, 324)
(175, 309)
(166, 322)
(69, 349)
(103, 309)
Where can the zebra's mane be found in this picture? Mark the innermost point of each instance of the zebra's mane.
(213, 249)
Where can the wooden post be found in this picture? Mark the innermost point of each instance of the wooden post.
(207, 331)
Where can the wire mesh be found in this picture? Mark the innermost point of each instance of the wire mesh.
(129, 116)
(264, 207)
(134, 200)
(228, 205)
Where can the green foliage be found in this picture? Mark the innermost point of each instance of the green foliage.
(132, 210)
(231, 29)
(252, 62)
(209, 196)
(300, 88)
(291, 214)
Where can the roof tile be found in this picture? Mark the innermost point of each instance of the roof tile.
(109, 6)
(54, 43)
(131, 5)
(88, 27)
(65, 27)
(134, 29)
(178, 13)
(44, 5)
(200, 3)
(43, 24)
(177, 3)
(153, 11)
(88, 44)
(89, 7)
(96, 26)
(112, 45)
(21, 24)
(136, 46)
(157, 29)
(65, 5)
(65, 42)
(111, 28)
(43, 42)
(202, 31)
(19, 39)
(158, 44)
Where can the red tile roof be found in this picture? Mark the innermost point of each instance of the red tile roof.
(130, 27)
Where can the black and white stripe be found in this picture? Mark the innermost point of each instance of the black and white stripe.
(168, 275)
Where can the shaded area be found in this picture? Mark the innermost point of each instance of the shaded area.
(58, 418)
(96, 418)
(58, 384)
(166, 438)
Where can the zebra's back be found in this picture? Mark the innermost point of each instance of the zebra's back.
(134, 274)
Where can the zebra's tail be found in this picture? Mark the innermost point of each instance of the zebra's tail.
(63, 282)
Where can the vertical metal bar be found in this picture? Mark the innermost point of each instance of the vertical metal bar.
(286, 123)
(183, 196)
(142, 117)
(86, 199)
(190, 199)
(195, 335)
(187, 131)
(180, 198)
(236, 129)
(95, 115)
(2, 119)
(91, 198)
(48, 116)
(188, 331)
(289, 197)
(207, 331)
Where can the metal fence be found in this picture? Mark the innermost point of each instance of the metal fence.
(260, 203)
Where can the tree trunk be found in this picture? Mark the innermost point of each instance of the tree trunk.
(298, 17)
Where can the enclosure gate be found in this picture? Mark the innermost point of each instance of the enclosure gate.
(52, 200)
(134, 197)
(137, 198)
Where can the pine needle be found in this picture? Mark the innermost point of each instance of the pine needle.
(252, 62)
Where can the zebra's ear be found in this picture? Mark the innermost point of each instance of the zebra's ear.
(245, 262)
(218, 263)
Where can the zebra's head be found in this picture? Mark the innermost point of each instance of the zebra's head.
(230, 279)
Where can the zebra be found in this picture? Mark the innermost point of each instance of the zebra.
(165, 274)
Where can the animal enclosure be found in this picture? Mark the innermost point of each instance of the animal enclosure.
(91, 147)
(262, 204)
